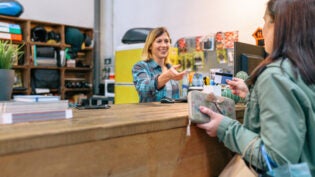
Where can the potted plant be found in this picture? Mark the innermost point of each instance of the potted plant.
(9, 54)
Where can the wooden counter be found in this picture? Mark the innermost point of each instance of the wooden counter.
(128, 140)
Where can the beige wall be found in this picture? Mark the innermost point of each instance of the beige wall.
(73, 12)
(186, 17)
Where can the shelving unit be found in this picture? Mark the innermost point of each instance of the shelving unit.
(26, 66)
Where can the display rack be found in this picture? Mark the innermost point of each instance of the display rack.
(26, 66)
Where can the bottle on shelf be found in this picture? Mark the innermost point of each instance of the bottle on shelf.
(185, 86)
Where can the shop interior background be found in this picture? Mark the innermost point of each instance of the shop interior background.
(183, 18)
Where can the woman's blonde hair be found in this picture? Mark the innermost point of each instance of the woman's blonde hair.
(155, 33)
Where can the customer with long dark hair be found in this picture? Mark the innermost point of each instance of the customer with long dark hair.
(280, 93)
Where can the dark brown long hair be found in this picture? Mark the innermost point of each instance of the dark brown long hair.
(294, 37)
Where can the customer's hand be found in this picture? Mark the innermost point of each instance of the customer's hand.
(238, 87)
(215, 120)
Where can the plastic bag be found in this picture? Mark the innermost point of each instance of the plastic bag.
(292, 170)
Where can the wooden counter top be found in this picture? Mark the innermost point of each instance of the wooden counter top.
(134, 140)
(93, 125)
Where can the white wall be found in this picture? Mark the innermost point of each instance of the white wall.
(183, 18)
(72, 12)
(188, 17)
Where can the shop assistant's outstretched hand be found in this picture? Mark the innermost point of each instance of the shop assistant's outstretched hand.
(238, 87)
(171, 74)
(174, 74)
(215, 120)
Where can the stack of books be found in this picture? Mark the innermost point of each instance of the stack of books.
(10, 31)
(36, 98)
(34, 108)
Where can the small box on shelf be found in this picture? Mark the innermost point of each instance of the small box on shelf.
(71, 63)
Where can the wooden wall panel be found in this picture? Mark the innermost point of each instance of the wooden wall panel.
(168, 153)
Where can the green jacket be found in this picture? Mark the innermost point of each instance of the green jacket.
(280, 111)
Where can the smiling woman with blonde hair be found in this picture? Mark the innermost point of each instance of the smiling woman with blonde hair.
(154, 77)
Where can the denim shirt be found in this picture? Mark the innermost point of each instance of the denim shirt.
(145, 75)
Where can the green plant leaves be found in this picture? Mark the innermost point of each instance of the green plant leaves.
(9, 54)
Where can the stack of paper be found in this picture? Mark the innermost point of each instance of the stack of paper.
(35, 98)
(38, 110)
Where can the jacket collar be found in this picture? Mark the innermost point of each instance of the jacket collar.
(153, 64)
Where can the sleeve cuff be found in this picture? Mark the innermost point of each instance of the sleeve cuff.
(156, 83)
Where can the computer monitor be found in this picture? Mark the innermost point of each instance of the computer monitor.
(249, 62)
(247, 57)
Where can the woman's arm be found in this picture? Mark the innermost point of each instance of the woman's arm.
(281, 122)
(144, 81)
(170, 74)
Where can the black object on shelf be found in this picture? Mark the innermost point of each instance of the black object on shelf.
(95, 102)
(106, 106)
(19, 89)
(135, 35)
